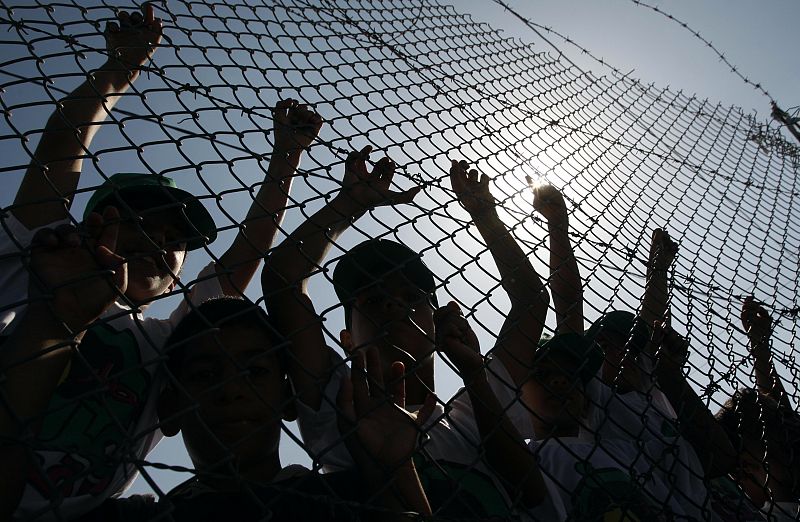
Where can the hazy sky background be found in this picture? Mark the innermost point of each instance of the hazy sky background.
(758, 37)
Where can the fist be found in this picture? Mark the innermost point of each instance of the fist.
(662, 251)
(295, 124)
(133, 38)
(549, 202)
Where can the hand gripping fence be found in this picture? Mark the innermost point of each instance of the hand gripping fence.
(597, 322)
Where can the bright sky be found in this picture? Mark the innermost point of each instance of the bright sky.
(760, 38)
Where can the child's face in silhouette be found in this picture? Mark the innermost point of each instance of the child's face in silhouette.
(235, 394)
(397, 317)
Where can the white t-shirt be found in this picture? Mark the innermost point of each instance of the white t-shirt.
(609, 479)
(450, 451)
(628, 416)
(781, 511)
(642, 418)
(102, 417)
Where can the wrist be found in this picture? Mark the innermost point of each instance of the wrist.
(287, 154)
(472, 373)
(347, 206)
(484, 213)
(116, 73)
(559, 224)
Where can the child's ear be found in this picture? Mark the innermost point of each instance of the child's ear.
(289, 403)
(346, 340)
(168, 412)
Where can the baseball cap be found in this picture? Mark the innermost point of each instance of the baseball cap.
(624, 324)
(578, 349)
(373, 260)
(149, 191)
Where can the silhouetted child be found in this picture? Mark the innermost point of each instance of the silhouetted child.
(389, 299)
(228, 395)
(765, 432)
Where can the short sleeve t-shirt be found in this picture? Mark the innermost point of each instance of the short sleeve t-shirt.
(456, 480)
(103, 413)
(609, 480)
(628, 416)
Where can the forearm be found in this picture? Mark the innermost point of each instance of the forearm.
(32, 362)
(697, 424)
(505, 450)
(301, 254)
(52, 176)
(767, 379)
(655, 298)
(518, 277)
(565, 280)
(260, 226)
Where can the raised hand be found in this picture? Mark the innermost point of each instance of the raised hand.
(756, 322)
(386, 434)
(79, 277)
(295, 125)
(662, 251)
(549, 202)
(133, 38)
(365, 189)
(456, 339)
(471, 188)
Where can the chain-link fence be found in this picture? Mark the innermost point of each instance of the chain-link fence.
(586, 289)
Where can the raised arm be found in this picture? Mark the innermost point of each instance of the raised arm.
(757, 325)
(529, 299)
(656, 293)
(696, 423)
(71, 285)
(295, 127)
(565, 276)
(289, 267)
(506, 451)
(46, 192)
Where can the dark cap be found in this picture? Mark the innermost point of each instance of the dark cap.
(579, 350)
(142, 192)
(373, 260)
(623, 324)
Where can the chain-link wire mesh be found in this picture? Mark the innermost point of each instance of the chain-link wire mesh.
(580, 427)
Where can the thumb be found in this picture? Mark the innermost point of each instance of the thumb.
(406, 196)
(344, 400)
(428, 407)
(398, 383)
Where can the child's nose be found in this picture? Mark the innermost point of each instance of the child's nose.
(232, 388)
(559, 383)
